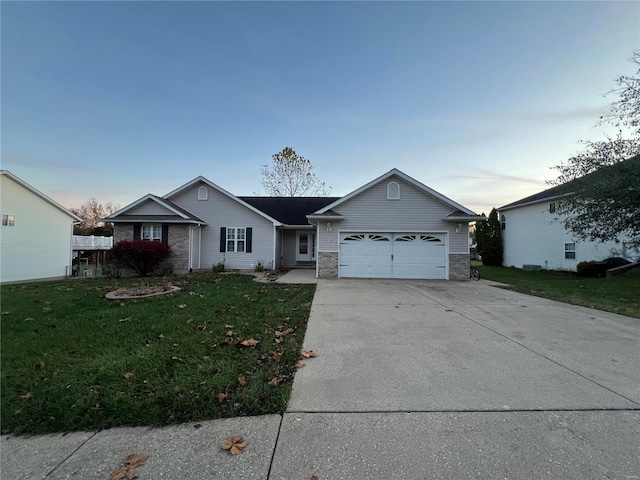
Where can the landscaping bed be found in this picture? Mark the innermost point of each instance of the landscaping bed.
(225, 345)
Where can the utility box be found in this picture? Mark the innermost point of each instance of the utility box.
(532, 268)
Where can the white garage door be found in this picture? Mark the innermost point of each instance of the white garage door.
(393, 255)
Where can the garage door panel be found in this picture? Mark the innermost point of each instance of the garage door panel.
(366, 255)
(382, 255)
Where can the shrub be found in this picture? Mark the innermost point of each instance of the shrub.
(141, 255)
(259, 267)
(219, 268)
(589, 269)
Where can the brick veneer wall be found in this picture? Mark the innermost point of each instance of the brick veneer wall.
(459, 266)
(328, 264)
(178, 241)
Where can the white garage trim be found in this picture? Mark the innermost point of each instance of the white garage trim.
(371, 254)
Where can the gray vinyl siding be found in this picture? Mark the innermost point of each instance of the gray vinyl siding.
(288, 251)
(149, 208)
(415, 211)
(219, 210)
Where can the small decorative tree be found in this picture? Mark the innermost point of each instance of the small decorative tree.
(141, 255)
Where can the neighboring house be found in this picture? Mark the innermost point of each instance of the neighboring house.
(36, 232)
(533, 234)
(392, 227)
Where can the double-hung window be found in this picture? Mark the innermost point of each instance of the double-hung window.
(8, 220)
(570, 251)
(152, 232)
(236, 239)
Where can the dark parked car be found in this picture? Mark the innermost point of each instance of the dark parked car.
(609, 263)
(613, 262)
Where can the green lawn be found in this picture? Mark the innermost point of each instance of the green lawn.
(72, 360)
(619, 294)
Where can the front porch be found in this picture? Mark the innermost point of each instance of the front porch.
(297, 247)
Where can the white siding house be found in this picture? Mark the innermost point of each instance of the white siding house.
(36, 232)
(534, 234)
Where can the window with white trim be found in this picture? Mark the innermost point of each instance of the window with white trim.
(552, 207)
(203, 193)
(236, 239)
(570, 251)
(151, 232)
(393, 191)
(503, 222)
(8, 220)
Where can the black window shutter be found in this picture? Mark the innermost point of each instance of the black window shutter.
(137, 227)
(165, 234)
(223, 239)
(249, 236)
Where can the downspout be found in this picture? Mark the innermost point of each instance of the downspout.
(199, 246)
(275, 245)
(190, 248)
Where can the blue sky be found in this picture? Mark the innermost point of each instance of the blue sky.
(477, 100)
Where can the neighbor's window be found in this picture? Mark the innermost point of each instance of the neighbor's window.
(552, 207)
(236, 239)
(203, 193)
(570, 251)
(393, 191)
(8, 220)
(152, 232)
(503, 222)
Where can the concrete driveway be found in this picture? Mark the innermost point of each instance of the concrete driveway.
(461, 380)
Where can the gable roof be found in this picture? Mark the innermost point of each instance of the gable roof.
(289, 210)
(224, 192)
(470, 215)
(38, 193)
(177, 213)
(569, 187)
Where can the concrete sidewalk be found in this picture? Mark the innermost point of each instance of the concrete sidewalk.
(413, 380)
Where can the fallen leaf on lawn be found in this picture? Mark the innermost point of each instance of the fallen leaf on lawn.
(230, 333)
(251, 342)
(277, 356)
(192, 293)
(42, 364)
(128, 375)
(279, 339)
(27, 396)
(46, 309)
(221, 397)
(299, 365)
(6, 313)
(242, 380)
(182, 305)
(309, 353)
(274, 381)
(234, 444)
(228, 326)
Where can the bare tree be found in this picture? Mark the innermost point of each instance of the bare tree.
(291, 175)
(91, 212)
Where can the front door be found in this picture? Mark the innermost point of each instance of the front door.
(305, 246)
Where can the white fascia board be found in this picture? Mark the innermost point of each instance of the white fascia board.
(408, 179)
(224, 192)
(148, 196)
(38, 193)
